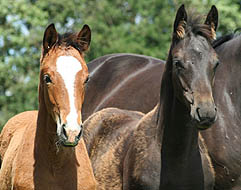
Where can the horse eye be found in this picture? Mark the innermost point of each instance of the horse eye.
(47, 79)
(87, 79)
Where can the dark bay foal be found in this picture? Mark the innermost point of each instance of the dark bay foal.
(163, 148)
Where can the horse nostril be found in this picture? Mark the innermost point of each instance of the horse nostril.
(80, 133)
(64, 132)
(212, 119)
(197, 110)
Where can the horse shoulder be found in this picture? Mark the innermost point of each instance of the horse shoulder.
(86, 179)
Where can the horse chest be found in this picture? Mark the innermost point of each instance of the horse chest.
(44, 178)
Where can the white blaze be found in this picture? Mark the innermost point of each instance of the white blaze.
(68, 67)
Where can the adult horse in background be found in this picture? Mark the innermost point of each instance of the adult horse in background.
(117, 80)
(43, 149)
(132, 151)
(224, 138)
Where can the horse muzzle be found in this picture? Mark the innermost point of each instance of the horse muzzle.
(204, 114)
(70, 136)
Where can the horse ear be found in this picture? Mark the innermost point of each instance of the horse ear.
(180, 22)
(50, 37)
(84, 38)
(212, 20)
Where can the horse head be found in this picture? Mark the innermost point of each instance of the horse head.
(63, 74)
(193, 62)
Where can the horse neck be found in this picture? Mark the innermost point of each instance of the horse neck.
(180, 158)
(228, 79)
(229, 54)
(46, 147)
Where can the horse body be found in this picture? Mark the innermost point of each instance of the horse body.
(166, 137)
(120, 79)
(37, 147)
(224, 138)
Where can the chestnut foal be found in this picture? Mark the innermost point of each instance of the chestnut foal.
(43, 149)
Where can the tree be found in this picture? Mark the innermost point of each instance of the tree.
(132, 26)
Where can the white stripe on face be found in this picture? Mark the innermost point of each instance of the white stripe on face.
(68, 67)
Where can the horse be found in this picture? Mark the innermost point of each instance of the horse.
(163, 148)
(43, 149)
(115, 78)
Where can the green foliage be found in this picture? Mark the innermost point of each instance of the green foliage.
(131, 26)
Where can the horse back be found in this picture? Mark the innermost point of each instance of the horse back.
(107, 135)
(123, 81)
